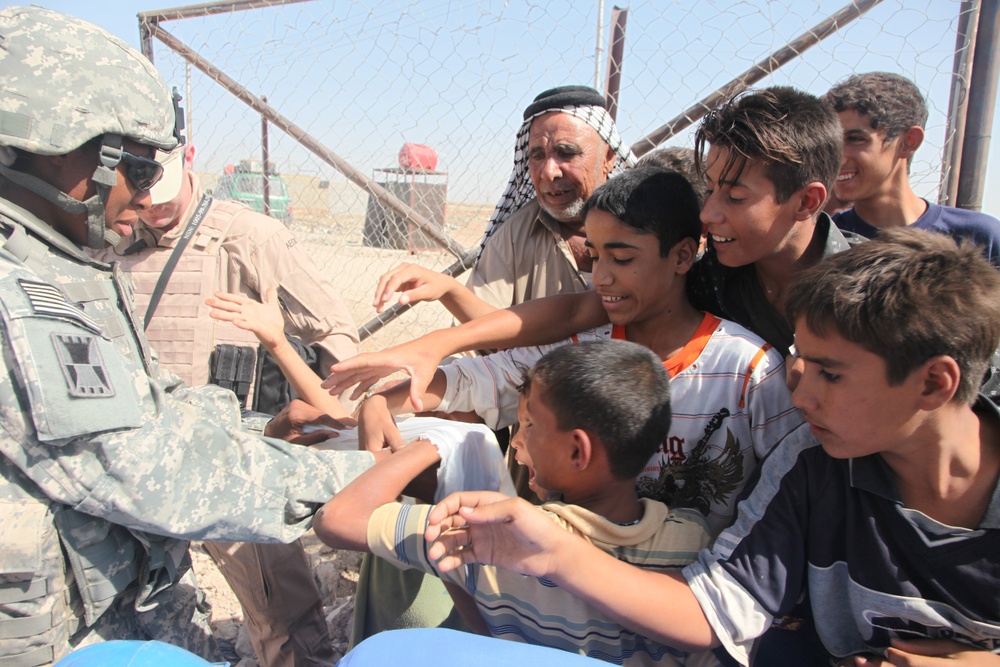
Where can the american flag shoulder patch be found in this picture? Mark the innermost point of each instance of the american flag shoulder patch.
(82, 365)
(47, 300)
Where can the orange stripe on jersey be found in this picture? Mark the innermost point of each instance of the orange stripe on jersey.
(746, 378)
(690, 352)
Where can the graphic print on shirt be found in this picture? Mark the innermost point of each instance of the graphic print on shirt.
(699, 478)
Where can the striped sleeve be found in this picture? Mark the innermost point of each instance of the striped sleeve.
(769, 402)
(396, 533)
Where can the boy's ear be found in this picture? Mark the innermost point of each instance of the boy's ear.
(940, 376)
(685, 253)
(810, 200)
(909, 141)
(582, 450)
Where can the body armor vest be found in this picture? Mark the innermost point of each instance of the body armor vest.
(181, 331)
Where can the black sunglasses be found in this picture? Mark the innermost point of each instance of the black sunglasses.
(142, 172)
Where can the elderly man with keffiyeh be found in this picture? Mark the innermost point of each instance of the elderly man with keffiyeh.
(534, 246)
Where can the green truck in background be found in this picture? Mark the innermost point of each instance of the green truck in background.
(245, 183)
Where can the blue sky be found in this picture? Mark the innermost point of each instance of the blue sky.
(441, 71)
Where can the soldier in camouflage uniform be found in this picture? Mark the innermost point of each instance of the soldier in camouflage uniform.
(238, 250)
(107, 463)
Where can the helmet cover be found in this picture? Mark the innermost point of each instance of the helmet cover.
(66, 81)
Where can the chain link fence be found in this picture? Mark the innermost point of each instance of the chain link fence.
(356, 81)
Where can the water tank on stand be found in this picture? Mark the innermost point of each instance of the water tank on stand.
(416, 183)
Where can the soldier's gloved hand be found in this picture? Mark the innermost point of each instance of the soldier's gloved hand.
(302, 424)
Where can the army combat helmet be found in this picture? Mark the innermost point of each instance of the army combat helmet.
(65, 82)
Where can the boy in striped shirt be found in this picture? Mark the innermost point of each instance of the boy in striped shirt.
(590, 417)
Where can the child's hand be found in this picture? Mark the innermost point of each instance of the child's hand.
(793, 370)
(925, 653)
(376, 427)
(264, 319)
(414, 284)
(365, 370)
(491, 528)
(298, 421)
(934, 652)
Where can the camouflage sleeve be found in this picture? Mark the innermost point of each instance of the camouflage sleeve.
(89, 426)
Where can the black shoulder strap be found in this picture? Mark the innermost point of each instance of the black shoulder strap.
(161, 284)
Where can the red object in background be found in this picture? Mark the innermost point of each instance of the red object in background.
(417, 157)
(229, 169)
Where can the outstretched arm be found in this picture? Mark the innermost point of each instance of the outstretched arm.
(535, 322)
(416, 283)
(511, 533)
(265, 320)
(343, 522)
(376, 426)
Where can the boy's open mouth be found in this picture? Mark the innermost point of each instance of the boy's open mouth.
(531, 472)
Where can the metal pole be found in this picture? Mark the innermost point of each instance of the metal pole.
(308, 141)
(979, 118)
(615, 55)
(265, 158)
(145, 38)
(389, 314)
(189, 125)
(210, 9)
(597, 47)
(783, 55)
(958, 103)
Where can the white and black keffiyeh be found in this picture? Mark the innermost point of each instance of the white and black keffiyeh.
(520, 190)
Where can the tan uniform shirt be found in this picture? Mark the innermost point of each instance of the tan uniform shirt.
(256, 252)
(526, 258)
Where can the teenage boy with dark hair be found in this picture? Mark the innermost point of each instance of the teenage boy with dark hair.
(769, 158)
(683, 161)
(891, 521)
(883, 117)
(591, 415)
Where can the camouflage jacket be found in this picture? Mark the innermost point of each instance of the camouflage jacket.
(118, 461)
